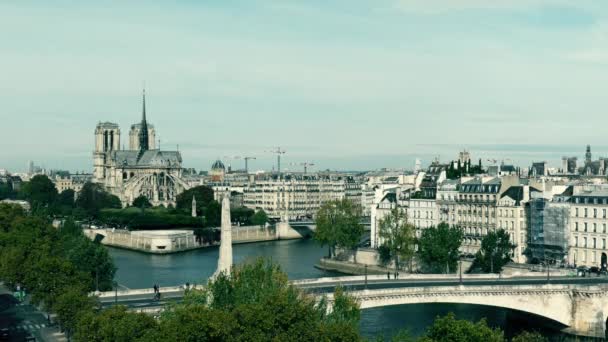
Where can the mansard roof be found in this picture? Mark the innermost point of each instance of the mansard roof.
(149, 158)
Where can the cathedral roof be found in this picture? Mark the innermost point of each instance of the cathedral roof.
(138, 125)
(149, 158)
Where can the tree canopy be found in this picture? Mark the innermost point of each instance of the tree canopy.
(141, 202)
(338, 225)
(40, 192)
(450, 329)
(438, 248)
(397, 235)
(92, 198)
(203, 195)
(495, 252)
(260, 218)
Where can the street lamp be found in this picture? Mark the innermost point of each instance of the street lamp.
(115, 284)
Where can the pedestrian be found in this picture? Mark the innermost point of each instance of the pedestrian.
(388, 275)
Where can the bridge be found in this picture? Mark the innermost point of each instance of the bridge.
(578, 305)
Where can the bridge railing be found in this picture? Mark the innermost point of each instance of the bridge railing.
(150, 291)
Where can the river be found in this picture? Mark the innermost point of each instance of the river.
(297, 257)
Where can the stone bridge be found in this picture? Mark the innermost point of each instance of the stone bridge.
(581, 310)
(578, 305)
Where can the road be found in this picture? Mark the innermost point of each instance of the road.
(145, 301)
(21, 319)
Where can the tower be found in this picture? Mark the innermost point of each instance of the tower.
(107, 139)
(143, 131)
(588, 155)
(224, 264)
(193, 206)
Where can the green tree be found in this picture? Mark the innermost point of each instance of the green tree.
(203, 195)
(195, 323)
(40, 192)
(338, 225)
(527, 336)
(92, 198)
(71, 304)
(266, 307)
(242, 215)
(495, 252)
(114, 324)
(438, 248)
(260, 218)
(213, 214)
(8, 214)
(450, 329)
(397, 234)
(66, 198)
(141, 202)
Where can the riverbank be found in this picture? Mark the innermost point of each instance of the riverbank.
(347, 267)
(177, 241)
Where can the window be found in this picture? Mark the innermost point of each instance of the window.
(576, 212)
(576, 241)
(604, 213)
(586, 212)
(594, 243)
(604, 228)
(576, 226)
(603, 243)
(585, 226)
(594, 212)
(585, 242)
(595, 227)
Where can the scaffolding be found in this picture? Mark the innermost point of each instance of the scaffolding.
(549, 233)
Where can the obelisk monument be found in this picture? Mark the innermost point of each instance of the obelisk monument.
(224, 264)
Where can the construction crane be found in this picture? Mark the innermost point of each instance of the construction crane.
(305, 164)
(278, 152)
(247, 159)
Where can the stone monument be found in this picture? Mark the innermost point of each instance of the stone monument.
(224, 264)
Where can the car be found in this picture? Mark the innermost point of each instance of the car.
(582, 271)
(595, 270)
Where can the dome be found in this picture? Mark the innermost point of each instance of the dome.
(218, 165)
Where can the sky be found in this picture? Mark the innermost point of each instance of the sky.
(348, 85)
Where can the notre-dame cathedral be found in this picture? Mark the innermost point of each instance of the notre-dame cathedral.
(142, 169)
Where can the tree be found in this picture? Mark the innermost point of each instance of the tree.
(203, 195)
(438, 248)
(338, 225)
(449, 329)
(527, 336)
(142, 202)
(40, 192)
(241, 215)
(213, 214)
(268, 308)
(92, 198)
(71, 304)
(8, 214)
(397, 235)
(495, 252)
(260, 218)
(114, 324)
(66, 198)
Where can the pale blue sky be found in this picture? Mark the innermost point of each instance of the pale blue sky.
(346, 84)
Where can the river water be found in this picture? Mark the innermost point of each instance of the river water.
(297, 258)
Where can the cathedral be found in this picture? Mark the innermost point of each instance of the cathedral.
(142, 170)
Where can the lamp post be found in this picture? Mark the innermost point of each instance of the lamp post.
(460, 270)
(115, 292)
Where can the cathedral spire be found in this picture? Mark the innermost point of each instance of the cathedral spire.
(143, 129)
